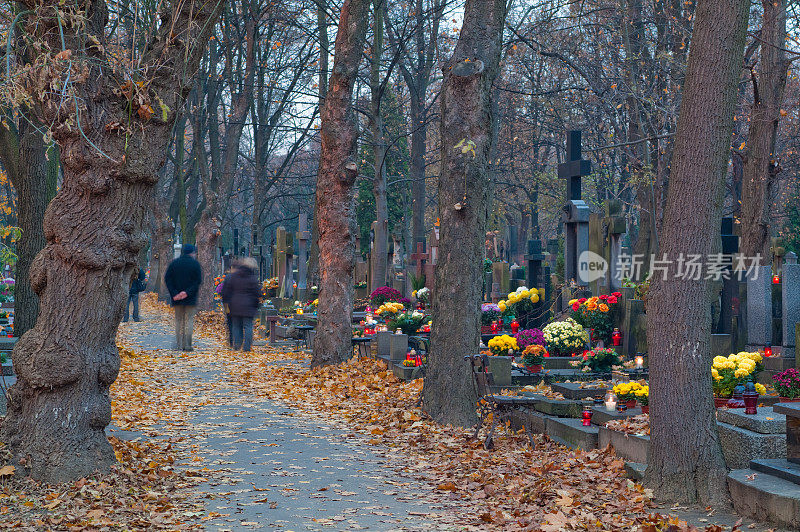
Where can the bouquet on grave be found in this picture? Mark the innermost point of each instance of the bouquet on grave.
(600, 360)
(564, 338)
(739, 368)
(628, 391)
(383, 294)
(423, 295)
(407, 321)
(596, 313)
(388, 310)
(526, 337)
(503, 345)
(520, 303)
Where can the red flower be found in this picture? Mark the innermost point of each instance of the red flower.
(612, 300)
(575, 307)
(586, 355)
(604, 297)
(546, 354)
(617, 294)
(582, 300)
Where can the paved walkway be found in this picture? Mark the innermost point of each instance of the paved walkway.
(278, 468)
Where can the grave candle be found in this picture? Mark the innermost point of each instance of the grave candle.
(616, 337)
(750, 397)
(514, 326)
(611, 401)
(776, 279)
(587, 416)
(639, 362)
(767, 352)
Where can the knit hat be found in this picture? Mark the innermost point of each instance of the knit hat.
(188, 249)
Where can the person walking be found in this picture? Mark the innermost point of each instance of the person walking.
(138, 285)
(183, 278)
(241, 293)
(225, 308)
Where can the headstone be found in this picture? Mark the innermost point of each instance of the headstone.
(283, 263)
(759, 308)
(576, 212)
(615, 227)
(730, 282)
(597, 246)
(433, 259)
(517, 277)
(419, 257)
(487, 286)
(303, 236)
(176, 250)
(513, 237)
(501, 278)
(791, 307)
(534, 259)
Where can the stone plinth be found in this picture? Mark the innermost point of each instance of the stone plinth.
(630, 447)
(572, 433)
(792, 413)
(766, 421)
(501, 370)
(572, 390)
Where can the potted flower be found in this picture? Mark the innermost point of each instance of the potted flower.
(408, 321)
(489, 314)
(626, 392)
(533, 357)
(600, 360)
(520, 304)
(564, 338)
(596, 314)
(731, 371)
(383, 294)
(787, 384)
(643, 398)
(423, 296)
(503, 349)
(526, 337)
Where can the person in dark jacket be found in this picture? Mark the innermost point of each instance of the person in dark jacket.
(138, 285)
(183, 278)
(242, 294)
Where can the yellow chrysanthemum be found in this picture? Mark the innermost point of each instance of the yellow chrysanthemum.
(761, 389)
(603, 307)
(534, 297)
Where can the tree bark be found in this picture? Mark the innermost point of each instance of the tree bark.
(162, 232)
(380, 260)
(60, 406)
(760, 168)
(335, 199)
(463, 210)
(685, 461)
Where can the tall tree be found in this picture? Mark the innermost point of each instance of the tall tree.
(335, 205)
(685, 461)
(761, 168)
(466, 135)
(379, 149)
(113, 119)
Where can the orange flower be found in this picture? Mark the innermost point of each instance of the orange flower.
(591, 305)
(603, 307)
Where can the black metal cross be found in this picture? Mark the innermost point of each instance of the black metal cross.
(575, 167)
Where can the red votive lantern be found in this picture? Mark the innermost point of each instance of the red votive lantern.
(767, 352)
(514, 326)
(750, 397)
(418, 360)
(495, 328)
(586, 417)
(776, 279)
(616, 337)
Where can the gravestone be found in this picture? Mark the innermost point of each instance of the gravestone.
(576, 212)
(730, 282)
(501, 281)
(597, 246)
(615, 227)
(419, 258)
(433, 258)
(791, 305)
(517, 277)
(303, 237)
(283, 259)
(759, 308)
(487, 286)
(534, 259)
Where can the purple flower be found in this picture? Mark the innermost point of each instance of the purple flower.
(526, 337)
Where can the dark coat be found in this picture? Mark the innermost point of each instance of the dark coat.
(241, 292)
(183, 275)
(138, 284)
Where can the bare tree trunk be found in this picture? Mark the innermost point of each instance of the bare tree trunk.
(60, 406)
(685, 461)
(335, 199)
(163, 231)
(463, 209)
(324, 52)
(760, 168)
(208, 232)
(380, 249)
(419, 132)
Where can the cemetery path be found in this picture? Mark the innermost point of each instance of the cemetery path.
(266, 465)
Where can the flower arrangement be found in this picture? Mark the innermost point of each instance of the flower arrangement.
(600, 360)
(407, 321)
(564, 338)
(383, 294)
(520, 302)
(787, 383)
(503, 345)
(409, 363)
(423, 295)
(643, 395)
(526, 337)
(628, 391)
(272, 283)
(489, 313)
(728, 372)
(534, 355)
(596, 313)
(387, 310)
(362, 284)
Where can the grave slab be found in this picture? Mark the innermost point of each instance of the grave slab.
(777, 467)
(602, 416)
(629, 447)
(739, 445)
(572, 433)
(559, 408)
(765, 497)
(535, 421)
(766, 421)
(571, 390)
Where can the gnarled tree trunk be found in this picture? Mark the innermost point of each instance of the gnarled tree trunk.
(162, 231)
(380, 249)
(467, 120)
(208, 232)
(60, 406)
(685, 461)
(335, 200)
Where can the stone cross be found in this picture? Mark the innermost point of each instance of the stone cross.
(283, 262)
(303, 236)
(419, 257)
(615, 227)
(576, 212)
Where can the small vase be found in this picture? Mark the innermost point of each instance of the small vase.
(645, 409)
(720, 401)
(631, 403)
(534, 369)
